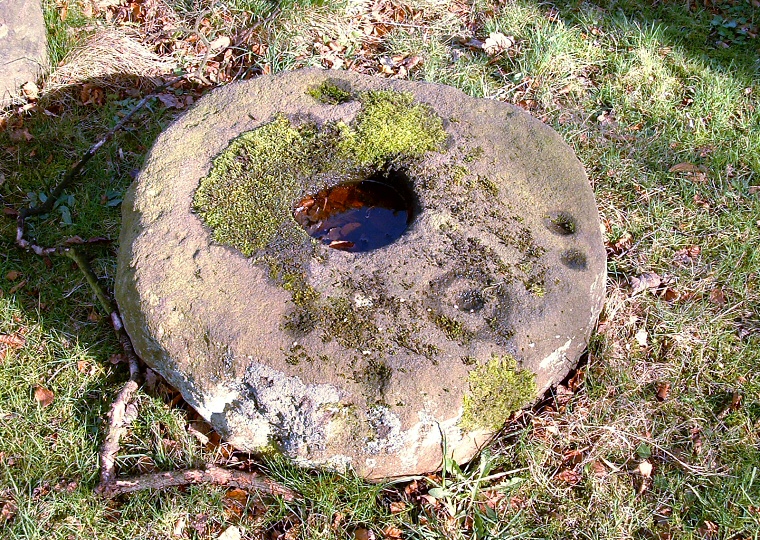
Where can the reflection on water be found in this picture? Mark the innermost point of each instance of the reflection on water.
(355, 216)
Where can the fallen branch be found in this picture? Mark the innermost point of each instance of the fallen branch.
(118, 423)
(120, 415)
(123, 411)
(212, 474)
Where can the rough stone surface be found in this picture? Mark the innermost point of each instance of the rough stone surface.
(23, 45)
(505, 213)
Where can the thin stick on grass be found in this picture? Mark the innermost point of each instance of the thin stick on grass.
(119, 419)
(212, 474)
(123, 411)
(121, 414)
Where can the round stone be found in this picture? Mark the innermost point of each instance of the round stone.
(353, 271)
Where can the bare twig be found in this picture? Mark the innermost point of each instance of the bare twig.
(123, 412)
(212, 474)
(119, 419)
(118, 423)
(196, 30)
(91, 278)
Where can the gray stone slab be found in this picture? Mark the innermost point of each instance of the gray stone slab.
(365, 359)
(23, 46)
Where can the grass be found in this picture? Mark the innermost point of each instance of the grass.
(634, 87)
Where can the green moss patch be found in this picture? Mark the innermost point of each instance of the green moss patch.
(391, 125)
(249, 192)
(248, 195)
(330, 93)
(454, 330)
(497, 389)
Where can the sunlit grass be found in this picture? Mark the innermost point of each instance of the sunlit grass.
(635, 90)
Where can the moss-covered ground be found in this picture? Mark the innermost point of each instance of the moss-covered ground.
(657, 436)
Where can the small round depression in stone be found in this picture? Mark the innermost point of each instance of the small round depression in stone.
(358, 216)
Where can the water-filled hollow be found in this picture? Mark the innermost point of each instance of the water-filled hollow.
(361, 215)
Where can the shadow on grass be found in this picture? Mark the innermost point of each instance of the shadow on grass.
(723, 33)
(46, 302)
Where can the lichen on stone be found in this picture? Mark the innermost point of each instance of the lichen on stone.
(497, 388)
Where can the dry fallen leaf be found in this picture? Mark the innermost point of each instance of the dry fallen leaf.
(663, 391)
(17, 287)
(18, 135)
(647, 280)
(598, 469)
(717, 296)
(701, 201)
(569, 476)
(363, 534)
(235, 501)
(14, 341)
(392, 533)
(684, 167)
(92, 95)
(621, 245)
(171, 101)
(497, 43)
(43, 396)
(671, 295)
(219, 44)
(736, 401)
(708, 529)
(117, 358)
(685, 256)
(397, 507)
(179, 527)
(8, 511)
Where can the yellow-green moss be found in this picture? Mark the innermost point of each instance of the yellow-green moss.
(251, 187)
(348, 325)
(303, 294)
(248, 196)
(329, 93)
(389, 125)
(454, 330)
(497, 389)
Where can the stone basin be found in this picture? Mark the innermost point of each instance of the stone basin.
(294, 334)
